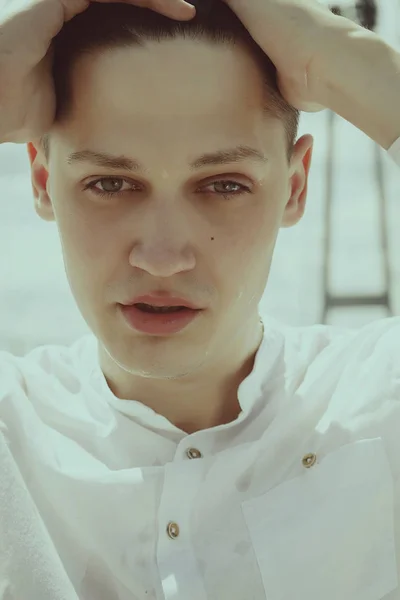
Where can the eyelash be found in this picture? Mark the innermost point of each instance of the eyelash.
(227, 196)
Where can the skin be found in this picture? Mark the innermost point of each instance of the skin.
(171, 228)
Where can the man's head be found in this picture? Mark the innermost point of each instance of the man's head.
(106, 26)
(173, 97)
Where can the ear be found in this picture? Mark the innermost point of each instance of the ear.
(300, 169)
(39, 179)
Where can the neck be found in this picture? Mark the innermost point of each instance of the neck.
(201, 400)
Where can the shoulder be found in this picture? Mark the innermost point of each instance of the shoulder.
(329, 358)
(305, 345)
(46, 360)
(40, 376)
(355, 378)
(370, 347)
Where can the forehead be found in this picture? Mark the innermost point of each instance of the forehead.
(174, 91)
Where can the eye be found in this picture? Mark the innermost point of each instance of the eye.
(113, 186)
(228, 188)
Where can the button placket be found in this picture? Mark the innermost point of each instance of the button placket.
(182, 485)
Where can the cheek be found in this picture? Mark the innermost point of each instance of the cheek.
(256, 228)
(244, 261)
(85, 236)
(88, 258)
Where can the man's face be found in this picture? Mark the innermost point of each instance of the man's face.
(205, 233)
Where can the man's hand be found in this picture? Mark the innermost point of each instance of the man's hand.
(327, 61)
(27, 28)
(293, 33)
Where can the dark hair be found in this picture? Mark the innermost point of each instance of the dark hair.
(114, 25)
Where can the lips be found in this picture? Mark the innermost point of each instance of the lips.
(160, 324)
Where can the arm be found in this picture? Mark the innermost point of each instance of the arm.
(328, 61)
(361, 75)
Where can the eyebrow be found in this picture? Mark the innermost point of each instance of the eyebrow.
(221, 157)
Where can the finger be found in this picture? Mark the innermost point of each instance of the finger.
(175, 9)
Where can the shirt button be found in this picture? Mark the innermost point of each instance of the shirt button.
(193, 453)
(309, 460)
(173, 530)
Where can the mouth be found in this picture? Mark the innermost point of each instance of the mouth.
(149, 308)
(158, 320)
(162, 300)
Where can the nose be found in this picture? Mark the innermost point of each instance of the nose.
(164, 244)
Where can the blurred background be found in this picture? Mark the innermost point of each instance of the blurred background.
(339, 266)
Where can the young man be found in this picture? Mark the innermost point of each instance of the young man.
(191, 455)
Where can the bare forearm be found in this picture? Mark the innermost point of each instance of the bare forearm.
(361, 74)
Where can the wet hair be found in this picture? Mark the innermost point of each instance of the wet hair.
(111, 25)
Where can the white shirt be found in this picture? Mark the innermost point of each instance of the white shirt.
(299, 498)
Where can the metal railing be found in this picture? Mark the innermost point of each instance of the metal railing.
(365, 12)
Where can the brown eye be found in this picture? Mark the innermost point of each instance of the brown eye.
(112, 186)
(227, 188)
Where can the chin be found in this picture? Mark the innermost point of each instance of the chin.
(155, 370)
(139, 357)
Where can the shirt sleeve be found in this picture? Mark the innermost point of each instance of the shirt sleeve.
(394, 152)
